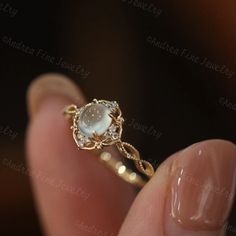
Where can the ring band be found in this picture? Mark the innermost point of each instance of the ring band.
(121, 170)
(99, 124)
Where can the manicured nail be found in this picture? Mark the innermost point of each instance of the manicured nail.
(50, 85)
(202, 189)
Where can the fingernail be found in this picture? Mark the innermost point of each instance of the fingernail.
(50, 85)
(202, 188)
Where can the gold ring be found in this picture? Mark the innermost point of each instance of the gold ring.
(99, 124)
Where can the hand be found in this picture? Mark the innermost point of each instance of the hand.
(191, 193)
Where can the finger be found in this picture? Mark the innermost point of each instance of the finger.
(191, 194)
(75, 194)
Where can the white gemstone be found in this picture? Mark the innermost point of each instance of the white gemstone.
(115, 135)
(114, 104)
(112, 132)
(112, 129)
(81, 143)
(94, 119)
(80, 136)
(82, 140)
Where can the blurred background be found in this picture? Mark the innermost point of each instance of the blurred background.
(170, 65)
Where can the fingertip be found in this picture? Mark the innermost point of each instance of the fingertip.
(203, 177)
(48, 85)
(182, 196)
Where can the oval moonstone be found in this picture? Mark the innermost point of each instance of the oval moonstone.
(94, 118)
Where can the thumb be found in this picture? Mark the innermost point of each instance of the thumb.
(191, 193)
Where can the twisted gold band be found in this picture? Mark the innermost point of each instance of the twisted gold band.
(132, 153)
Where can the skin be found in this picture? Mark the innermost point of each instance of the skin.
(92, 200)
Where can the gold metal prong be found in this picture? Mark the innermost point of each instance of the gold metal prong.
(113, 117)
(70, 110)
(95, 135)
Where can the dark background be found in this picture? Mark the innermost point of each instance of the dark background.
(157, 90)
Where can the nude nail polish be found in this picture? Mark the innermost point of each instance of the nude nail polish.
(203, 185)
